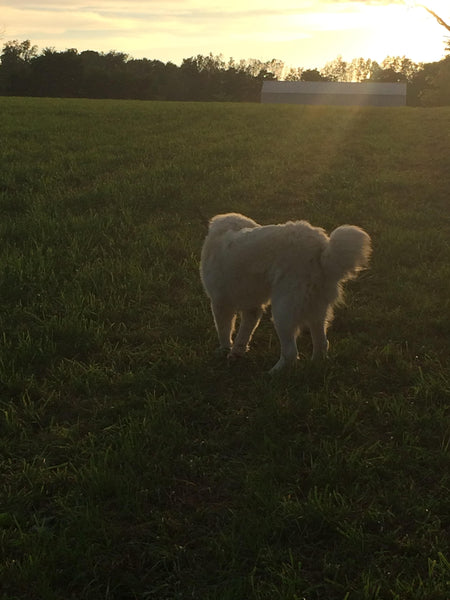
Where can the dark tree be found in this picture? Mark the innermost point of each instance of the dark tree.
(312, 75)
(388, 76)
(91, 74)
(15, 67)
(56, 74)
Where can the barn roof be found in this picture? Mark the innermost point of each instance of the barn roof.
(333, 87)
(367, 93)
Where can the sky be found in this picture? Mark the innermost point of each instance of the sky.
(301, 33)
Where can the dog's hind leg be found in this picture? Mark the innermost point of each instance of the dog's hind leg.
(319, 339)
(249, 322)
(287, 330)
(224, 319)
(317, 323)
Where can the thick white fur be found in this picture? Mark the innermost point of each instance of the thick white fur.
(294, 266)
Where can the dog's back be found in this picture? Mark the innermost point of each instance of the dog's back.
(236, 242)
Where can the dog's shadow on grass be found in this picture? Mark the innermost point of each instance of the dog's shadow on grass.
(250, 374)
(198, 370)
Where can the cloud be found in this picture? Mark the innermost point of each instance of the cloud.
(187, 19)
(300, 32)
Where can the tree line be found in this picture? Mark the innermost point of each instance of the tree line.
(89, 74)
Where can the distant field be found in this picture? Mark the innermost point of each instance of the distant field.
(135, 463)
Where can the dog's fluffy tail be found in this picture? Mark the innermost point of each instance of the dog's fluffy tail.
(348, 252)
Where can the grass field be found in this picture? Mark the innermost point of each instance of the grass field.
(135, 463)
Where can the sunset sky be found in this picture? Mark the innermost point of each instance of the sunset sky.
(302, 33)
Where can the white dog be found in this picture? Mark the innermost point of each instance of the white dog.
(294, 266)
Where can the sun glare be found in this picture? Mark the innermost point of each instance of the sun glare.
(369, 30)
(410, 30)
(427, 25)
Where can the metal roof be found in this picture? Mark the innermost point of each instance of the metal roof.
(333, 87)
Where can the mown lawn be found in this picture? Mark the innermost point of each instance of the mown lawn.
(135, 463)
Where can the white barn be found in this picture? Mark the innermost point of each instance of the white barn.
(367, 93)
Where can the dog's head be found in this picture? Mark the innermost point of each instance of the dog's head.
(230, 222)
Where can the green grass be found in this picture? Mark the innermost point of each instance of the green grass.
(135, 463)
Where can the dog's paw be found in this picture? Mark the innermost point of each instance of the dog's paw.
(283, 365)
(320, 353)
(276, 370)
